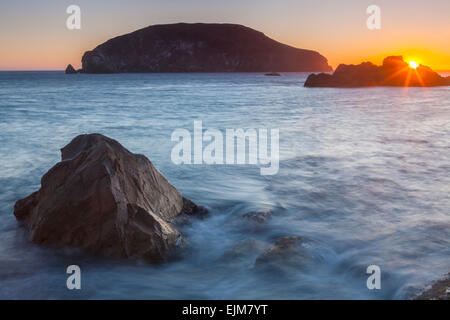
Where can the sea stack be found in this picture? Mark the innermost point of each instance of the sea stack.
(394, 72)
(106, 200)
(199, 47)
(70, 69)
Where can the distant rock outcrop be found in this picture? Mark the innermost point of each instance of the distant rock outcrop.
(199, 47)
(394, 72)
(105, 199)
(70, 69)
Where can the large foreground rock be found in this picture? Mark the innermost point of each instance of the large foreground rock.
(440, 290)
(199, 47)
(394, 72)
(105, 199)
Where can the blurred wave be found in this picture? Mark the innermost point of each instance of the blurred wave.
(364, 179)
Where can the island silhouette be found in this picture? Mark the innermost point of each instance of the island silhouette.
(199, 47)
(394, 72)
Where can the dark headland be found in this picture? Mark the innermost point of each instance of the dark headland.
(394, 72)
(199, 47)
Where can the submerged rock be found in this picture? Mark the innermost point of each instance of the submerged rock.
(199, 47)
(244, 248)
(394, 72)
(70, 69)
(285, 254)
(258, 216)
(105, 199)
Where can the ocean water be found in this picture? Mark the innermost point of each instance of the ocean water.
(364, 179)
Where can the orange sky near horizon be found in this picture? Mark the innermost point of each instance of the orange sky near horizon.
(34, 36)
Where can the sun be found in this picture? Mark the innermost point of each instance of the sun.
(413, 64)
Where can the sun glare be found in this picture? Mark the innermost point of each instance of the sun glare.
(413, 64)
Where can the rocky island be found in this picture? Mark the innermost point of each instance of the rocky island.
(70, 70)
(199, 47)
(394, 72)
(106, 200)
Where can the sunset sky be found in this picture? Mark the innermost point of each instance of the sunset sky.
(33, 34)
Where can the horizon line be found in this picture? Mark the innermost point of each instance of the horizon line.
(63, 70)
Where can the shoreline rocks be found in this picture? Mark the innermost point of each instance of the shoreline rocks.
(106, 200)
(199, 47)
(394, 72)
(440, 290)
